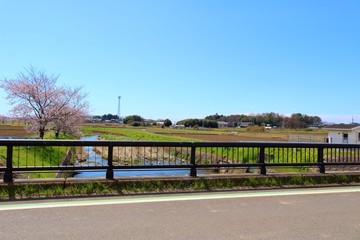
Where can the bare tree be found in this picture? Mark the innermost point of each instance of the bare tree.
(37, 98)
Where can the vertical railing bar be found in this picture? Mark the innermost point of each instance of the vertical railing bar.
(262, 160)
(110, 169)
(193, 171)
(321, 160)
(8, 175)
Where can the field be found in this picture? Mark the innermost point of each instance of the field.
(118, 132)
(121, 132)
(12, 131)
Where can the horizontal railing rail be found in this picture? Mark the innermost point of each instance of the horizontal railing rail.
(19, 156)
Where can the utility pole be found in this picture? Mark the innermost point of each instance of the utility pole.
(118, 113)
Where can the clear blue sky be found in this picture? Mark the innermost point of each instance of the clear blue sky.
(192, 58)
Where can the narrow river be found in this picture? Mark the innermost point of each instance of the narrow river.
(94, 158)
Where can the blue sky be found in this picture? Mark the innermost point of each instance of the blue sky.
(192, 58)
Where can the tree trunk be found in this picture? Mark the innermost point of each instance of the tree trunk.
(41, 132)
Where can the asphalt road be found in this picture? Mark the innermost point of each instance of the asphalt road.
(305, 216)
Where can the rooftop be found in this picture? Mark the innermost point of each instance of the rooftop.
(342, 126)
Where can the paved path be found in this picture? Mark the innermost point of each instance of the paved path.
(295, 214)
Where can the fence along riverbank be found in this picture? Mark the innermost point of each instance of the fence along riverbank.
(19, 156)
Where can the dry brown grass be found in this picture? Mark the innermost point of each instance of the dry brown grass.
(133, 155)
(13, 131)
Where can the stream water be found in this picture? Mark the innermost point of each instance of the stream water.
(95, 159)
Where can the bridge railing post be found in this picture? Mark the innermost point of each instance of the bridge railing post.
(9, 175)
(110, 169)
(262, 160)
(193, 171)
(321, 159)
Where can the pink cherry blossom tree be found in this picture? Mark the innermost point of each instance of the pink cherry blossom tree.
(36, 97)
(70, 117)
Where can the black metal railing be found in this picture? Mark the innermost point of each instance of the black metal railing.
(24, 156)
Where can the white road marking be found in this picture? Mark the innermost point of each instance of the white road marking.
(182, 197)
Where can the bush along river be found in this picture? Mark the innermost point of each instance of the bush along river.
(95, 159)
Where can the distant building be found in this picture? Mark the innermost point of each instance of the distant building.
(222, 124)
(343, 133)
(245, 124)
(178, 126)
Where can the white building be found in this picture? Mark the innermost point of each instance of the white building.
(343, 133)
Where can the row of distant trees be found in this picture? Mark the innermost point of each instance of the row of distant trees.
(37, 100)
(136, 120)
(133, 120)
(194, 122)
(296, 120)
